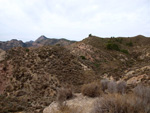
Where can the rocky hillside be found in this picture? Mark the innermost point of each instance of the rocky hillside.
(113, 57)
(33, 75)
(41, 41)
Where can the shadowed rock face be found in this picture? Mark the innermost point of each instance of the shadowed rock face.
(41, 41)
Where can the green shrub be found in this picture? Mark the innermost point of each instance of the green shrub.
(27, 50)
(96, 65)
(112, 37)
(119, 40)
(124, 51)
(90, 35)
(112, 46)
(83, 57)
(129, 44)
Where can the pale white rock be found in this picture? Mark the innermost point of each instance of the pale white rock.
(130, 73)
(79, 101)
(2, 55)
(136, 79)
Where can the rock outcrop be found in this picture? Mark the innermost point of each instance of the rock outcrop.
(81, 103)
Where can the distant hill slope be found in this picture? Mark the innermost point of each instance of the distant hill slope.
(113, 57)
(12, 43)
(41, 41)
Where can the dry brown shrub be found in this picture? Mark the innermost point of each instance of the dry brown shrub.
(91, 90)
(116, 103)
(139, 104)
(109, 104)
(121, 87)
(143, 92)
(104, 84)
(62, 95)
(112, 87)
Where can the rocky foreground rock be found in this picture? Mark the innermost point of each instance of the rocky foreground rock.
(79, 102)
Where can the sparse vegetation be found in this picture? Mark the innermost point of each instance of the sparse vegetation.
(91, 89)
(112, 46)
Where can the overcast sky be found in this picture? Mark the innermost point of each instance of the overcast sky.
(73, 19)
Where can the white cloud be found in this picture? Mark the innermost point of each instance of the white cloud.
(73, 19)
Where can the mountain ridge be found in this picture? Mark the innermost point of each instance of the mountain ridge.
(41, 41)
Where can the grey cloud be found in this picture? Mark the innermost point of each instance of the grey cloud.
(73, 19)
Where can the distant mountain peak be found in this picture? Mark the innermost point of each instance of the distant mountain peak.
(42, 37)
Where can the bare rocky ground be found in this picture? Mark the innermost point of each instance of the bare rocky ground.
(32, 75)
